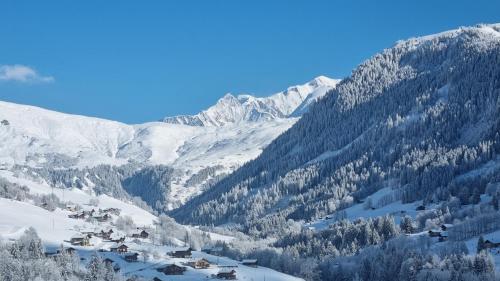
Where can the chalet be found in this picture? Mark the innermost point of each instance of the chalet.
(142, 234)
(489, 244)
(434, 233)
(420, 208)
(80, 240)
(249, 262)
(446, 226)
(119, 248)
(199, 264)
(181, 253)
(114, 211)
(77, 216)
(106, 234)
(89, 213)
(228, 274)
(131, 257)
(101, 218)
(172, 269)
(69, 250)
(71, 207)
(118, 240)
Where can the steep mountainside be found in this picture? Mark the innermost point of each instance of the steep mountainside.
(230, 109)
(415, 118)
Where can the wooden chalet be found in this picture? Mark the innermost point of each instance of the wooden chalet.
(114, 211)
(142, 234)
(131, 257)
(446, 226)
(181, 253)
(228, 274)
(249, 262)
(119, 248)
(105, 234)
(199, 264)
(77, 216)
(172, 269)
(489, 244)
(80, 240)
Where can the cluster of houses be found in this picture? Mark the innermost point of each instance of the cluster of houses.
(442, 233)
(99, 215)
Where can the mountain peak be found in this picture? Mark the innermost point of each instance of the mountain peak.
(233, 109)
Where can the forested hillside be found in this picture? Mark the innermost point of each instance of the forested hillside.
(413, 118)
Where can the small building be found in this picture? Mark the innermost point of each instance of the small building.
(249, 262)
(80, 215)
(106, 234)
(446, 226)
(141, 234)
(181, 253)
(131, 257)
(420, 208)
(119, 248)
(101, 218)
(80, 240)
(199, 264)
(434, 233)
(228, 274)
(489, 244)
(172, 269)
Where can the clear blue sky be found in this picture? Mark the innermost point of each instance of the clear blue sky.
(137, 61)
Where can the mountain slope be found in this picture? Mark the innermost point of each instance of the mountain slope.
(70, 150)
(411, 118)
(230, 109)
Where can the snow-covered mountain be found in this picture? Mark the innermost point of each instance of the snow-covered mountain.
(42, 139)
(232, 109)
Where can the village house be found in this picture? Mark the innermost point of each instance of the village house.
(105, 234)
(228, 274)
(101, 218)
(80, 215)
(131, 257)
(80, 240)
(181, 253)
(141, 234)
(114, 211)
(199, 264)
(446, 226)
(249, 262)
(489, 244)
(119, 248)
(172, 269)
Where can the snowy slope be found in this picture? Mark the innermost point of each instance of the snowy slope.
(234, 109)
(55, 228)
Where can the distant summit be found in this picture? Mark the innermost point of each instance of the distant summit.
(231, 109)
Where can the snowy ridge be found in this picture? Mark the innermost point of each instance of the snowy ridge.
(232, 109)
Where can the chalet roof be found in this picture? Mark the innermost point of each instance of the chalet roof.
(118, 245)
(226, 270)
(249, 261)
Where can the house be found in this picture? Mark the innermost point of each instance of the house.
(446, 226)
(142, 234)
(489, 244)
(114, 211)
(105, 234)
(181, 253)
(199, 264)
(249, 262)
(102, 218)
(420, 208)
(71, 207)
(77, 216)
(228, 274)
(80, 240)
(434, 233)
(119, 248)
(69, 250)
(172, 269)
(131, 257)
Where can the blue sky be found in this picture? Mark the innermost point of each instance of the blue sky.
(137, 61)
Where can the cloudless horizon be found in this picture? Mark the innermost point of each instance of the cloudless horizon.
(135, 62)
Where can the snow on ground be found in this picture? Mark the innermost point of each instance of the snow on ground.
(56, 228)
(396, 209)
